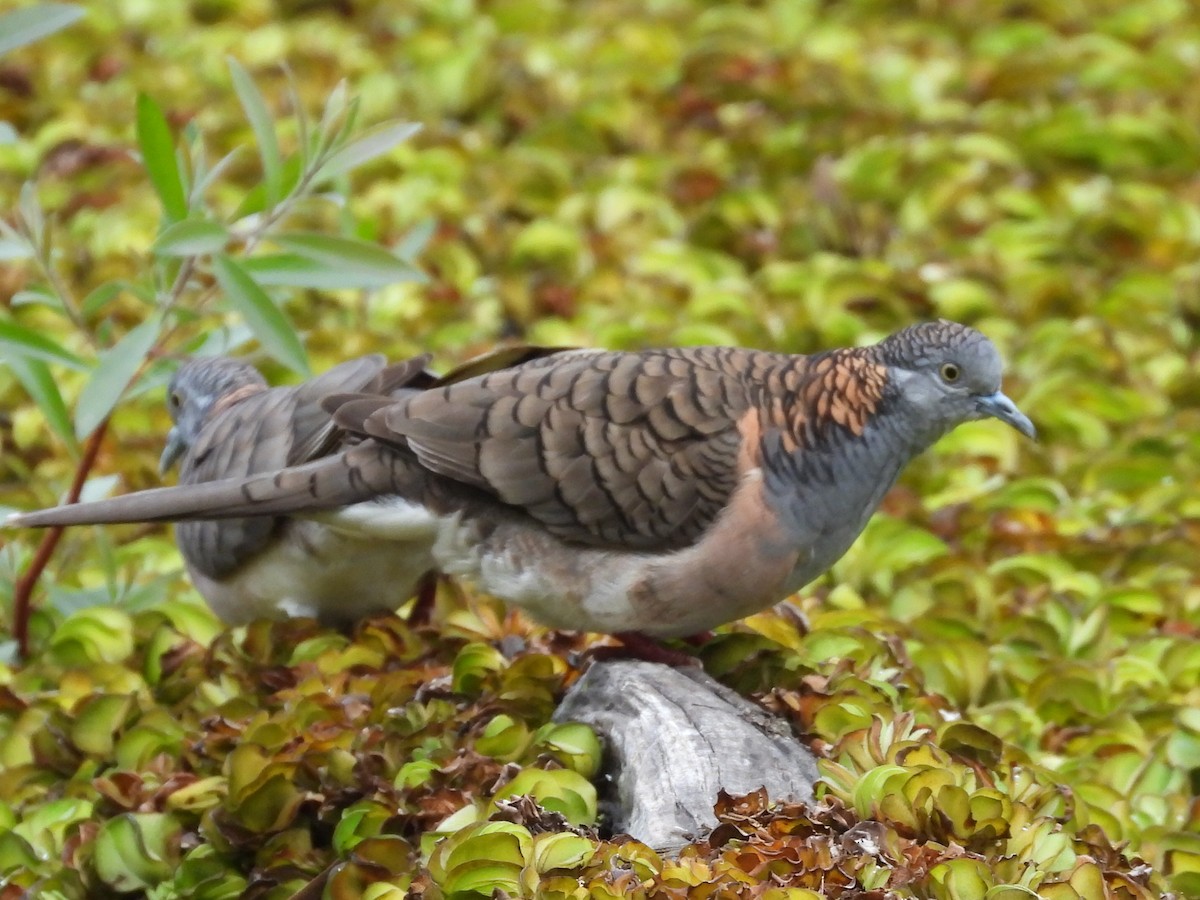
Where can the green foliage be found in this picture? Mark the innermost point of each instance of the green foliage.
(304, 734)
(190, 253)
(1002, 674)
(23, 26)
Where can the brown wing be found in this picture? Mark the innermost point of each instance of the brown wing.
(500, 358)
(631, 450)
(278, 427)
(313, 432)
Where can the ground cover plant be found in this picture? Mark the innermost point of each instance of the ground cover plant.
(1002, 677)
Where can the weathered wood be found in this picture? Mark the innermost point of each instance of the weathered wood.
(673, 738)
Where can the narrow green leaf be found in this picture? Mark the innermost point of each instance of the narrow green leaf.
(360, 264)
(25, 342)
(14, 249)
(191, 237)
(255, 200)
(158, 156)
(333, 119)
(36, 298)
(24, 26)
(99, 297)
(301, 116)
(204, 182)
(29, 207)
(269, 325)
(263, 126)
(221, 341)
(157, 374)
(366, 148)
(112, 375)
(417, 239)
(292, 270)
(35, 377)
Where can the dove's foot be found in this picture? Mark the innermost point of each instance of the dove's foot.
(422, 610)
(635, 645)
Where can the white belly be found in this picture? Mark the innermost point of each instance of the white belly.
(316, 570)
(349, 563)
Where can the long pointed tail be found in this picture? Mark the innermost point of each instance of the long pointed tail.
(358, 474)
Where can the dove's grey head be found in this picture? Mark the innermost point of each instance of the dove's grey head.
(196, 388)
(950, 374)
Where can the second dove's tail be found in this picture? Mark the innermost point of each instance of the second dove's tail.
(357, 474)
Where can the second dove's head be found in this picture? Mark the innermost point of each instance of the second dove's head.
(197, 385)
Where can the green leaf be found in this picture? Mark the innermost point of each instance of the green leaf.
(559, 790)
(358, 264)
(16, 853)
(472, 666)
(109, 379)
(269, 325)
(25, 342)
(136, 851)
(296, 105)
(366, 148)
(205, 181)
(416, 240)
(576, 744)
(875, 785)
(35, 377)
(504, 738)
(480, 858)
(290, 270)
(24, 26)
(46, 826)
(220, 341)
(191, 237)
(561, 851)
(255, 200)
(264, 129)
(92, 635)
(36, 297)
(99, 297)
(334, 118)
(30, 211)
(98, 720)
(14, 249)
(158, 156)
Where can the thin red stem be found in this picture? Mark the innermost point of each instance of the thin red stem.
(23, 592)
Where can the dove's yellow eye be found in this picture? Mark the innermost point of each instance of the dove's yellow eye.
(950, 373)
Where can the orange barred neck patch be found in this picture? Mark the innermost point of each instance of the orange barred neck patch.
(844, 389)
(246, 390)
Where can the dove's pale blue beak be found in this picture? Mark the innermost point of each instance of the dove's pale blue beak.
(998, 406)
(171, 452)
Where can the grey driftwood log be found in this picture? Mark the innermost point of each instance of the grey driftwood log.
(673, 738)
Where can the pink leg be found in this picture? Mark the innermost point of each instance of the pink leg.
(422, 610)
(635, 645)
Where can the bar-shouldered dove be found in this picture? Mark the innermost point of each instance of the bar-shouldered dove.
(660, 492)
(229, 424)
